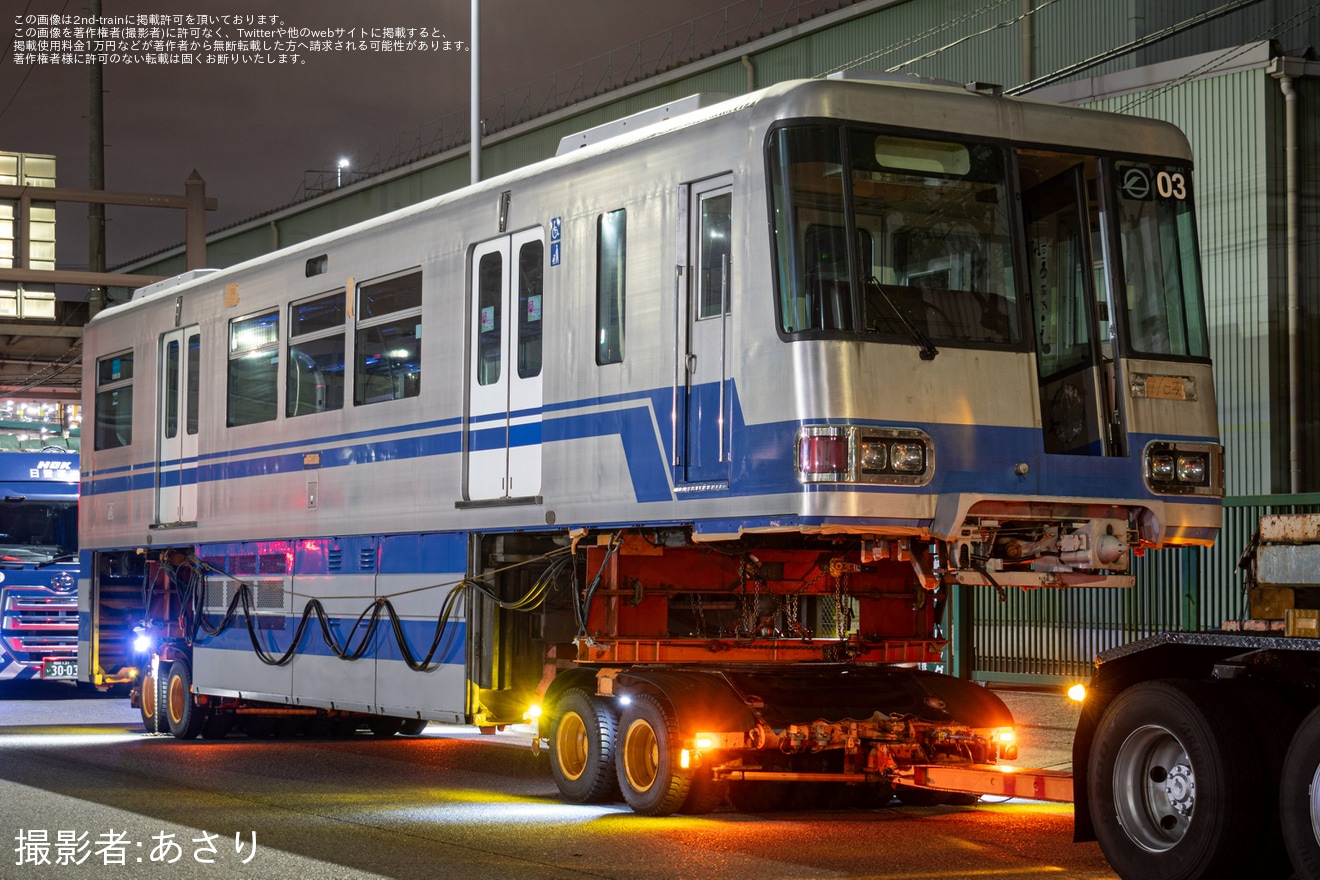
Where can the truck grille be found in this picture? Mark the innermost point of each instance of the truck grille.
(36, 624)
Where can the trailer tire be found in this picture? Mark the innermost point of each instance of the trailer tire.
(705, 795)
(1176, 784)
(1299, 799)
(151, 704)
(413, 726)
(384, 725)
(651, 781)
(185, 716)
(582, 748)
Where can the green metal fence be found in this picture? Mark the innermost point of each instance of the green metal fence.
(1051, 637)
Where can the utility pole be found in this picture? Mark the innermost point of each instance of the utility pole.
(95, 177)
(474, 44)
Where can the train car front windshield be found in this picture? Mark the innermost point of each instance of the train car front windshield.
(914, 242)
(917, 243)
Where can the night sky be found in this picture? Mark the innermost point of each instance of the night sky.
(253, 130)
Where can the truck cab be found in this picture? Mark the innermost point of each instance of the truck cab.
(38, 564)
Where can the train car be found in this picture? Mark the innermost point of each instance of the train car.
(682, 436)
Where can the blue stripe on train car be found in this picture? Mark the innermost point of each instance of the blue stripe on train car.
(976, 459)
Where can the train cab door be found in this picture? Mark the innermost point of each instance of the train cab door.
(176, 443)
(503, 430)
(703, 318)
(1080, 411)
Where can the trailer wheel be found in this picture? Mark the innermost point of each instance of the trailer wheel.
(705, 795)
(384, 725)
(151, 703)
(185, 716)
(1299, 799)
(582, 748)
(413, 726)
(651, 781)
(1176, 786)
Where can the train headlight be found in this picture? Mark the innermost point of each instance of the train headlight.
(875, 457)
(1185, 468)
(1161, 467)
(1191, 469)
(908, 457)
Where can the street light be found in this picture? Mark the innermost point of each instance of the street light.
(339, 172)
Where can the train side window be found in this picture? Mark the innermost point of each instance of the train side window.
(387, 353)
(114, 401)
(171, 427)
(193, 384)
(254, 365)
(611, 253)
(531, 259)
(490, 302)
(315, 380)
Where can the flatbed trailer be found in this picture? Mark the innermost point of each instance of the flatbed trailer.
(1197, 754)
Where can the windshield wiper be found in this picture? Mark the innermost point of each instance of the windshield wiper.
(928, 349)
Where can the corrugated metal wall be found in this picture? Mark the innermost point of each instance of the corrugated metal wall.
(1228, 120)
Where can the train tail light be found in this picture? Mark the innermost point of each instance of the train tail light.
(823, 454)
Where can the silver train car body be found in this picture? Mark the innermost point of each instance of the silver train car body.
(941, 336)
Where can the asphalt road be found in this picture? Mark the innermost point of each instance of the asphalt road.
(78, 779)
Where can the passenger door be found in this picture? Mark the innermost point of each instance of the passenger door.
(1080, 414)
(176, 441)
(703, 392)
(503, 429)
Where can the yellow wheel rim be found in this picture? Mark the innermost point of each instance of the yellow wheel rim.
(571, 745)
(177, 697)
(641, 755)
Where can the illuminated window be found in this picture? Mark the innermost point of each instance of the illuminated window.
(254, 364)
(387, 352)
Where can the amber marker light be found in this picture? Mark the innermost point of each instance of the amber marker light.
(1077, 692)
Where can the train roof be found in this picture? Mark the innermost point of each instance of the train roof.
(914, 103)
